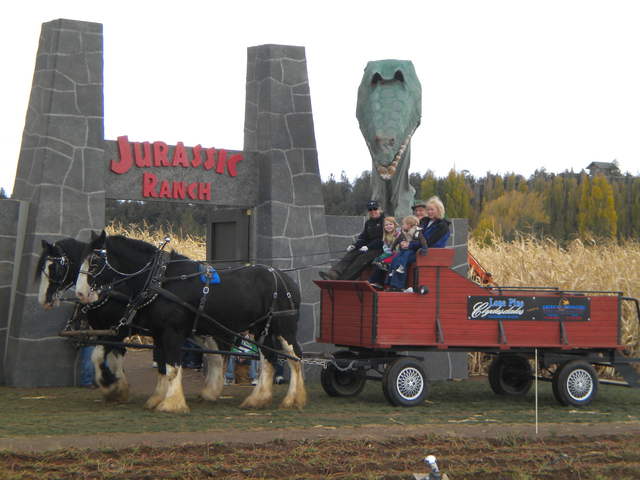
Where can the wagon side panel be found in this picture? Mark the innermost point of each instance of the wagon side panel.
(457, 329)
(347, 314)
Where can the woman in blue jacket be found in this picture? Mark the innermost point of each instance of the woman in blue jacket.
(433, 233)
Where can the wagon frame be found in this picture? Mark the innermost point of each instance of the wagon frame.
(569, 330)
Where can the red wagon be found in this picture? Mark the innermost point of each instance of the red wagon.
(572, 330)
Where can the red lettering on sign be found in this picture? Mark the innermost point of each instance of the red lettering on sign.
(142, 160)
(210, 162)
(180, 156)
(178, 190)
(204, 191)
(222, 161)
(231, 164)
(165, 191)
(160, 150)
(192, 190)
(197, 160)
(149, 181)
(124, 164)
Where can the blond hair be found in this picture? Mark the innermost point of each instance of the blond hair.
(436, 202)
(411, 220)
(389, 237)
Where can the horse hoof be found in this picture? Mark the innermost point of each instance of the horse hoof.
(119, 394)
(116, 396)
(208, 396)
(152, 403)
(290, 405)
(165, 408)
(253, 404)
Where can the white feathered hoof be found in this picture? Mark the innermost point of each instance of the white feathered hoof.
(297, 401)
(117, 393)
(209, 395)
(152, 402)
(168, 406)
(255, 402)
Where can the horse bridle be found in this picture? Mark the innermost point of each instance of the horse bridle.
(98, 258)
(64, 262)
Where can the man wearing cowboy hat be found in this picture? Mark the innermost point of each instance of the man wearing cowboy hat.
(419, 209)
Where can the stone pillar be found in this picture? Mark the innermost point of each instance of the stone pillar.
(291, 231)
(13, 215)
(60, 174)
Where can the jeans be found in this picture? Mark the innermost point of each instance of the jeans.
(404, 258)
(231, 367)
(87, 374)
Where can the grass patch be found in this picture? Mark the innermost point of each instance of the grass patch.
(61, 411)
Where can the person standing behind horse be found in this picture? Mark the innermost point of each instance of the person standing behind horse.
(434, 232)
(368, 246)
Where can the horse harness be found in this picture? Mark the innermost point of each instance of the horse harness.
(153, 288)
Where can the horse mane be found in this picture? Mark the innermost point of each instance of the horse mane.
(139, 246)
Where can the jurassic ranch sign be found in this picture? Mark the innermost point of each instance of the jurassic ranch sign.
(157, 171)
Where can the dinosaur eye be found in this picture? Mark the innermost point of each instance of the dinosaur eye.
(398, 76)
(377, 78)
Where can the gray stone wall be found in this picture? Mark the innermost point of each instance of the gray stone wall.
(290, 227)
(13, 215)
(60, 175)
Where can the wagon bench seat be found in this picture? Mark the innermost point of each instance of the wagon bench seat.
(355, 314)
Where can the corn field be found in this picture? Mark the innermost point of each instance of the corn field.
(526, 261)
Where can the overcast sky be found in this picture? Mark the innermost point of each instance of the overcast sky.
(508, 86)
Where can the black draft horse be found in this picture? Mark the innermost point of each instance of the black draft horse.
(256, 298)
(57, 271)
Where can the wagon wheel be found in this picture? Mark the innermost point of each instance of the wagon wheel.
(575, 383)
(404, 383)
(510, 375)
(342, 383)
(338, 383)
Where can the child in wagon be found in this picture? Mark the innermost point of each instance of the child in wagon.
(390, 235)
(409, 232)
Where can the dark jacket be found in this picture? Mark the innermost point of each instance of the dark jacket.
(371, 235)
(436, 235)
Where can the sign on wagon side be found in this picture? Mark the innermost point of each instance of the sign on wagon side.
(485, 307)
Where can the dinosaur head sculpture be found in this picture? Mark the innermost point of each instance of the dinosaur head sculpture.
(388, 111)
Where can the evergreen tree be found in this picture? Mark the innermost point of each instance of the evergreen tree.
(360, 193)
(555, 205)
(572, 199)
(336, 195)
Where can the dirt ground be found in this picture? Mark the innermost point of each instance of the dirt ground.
(142, 381)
